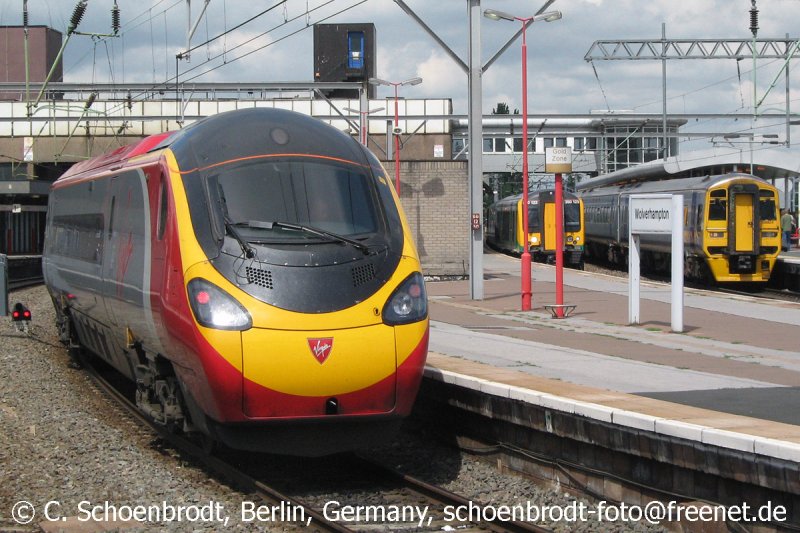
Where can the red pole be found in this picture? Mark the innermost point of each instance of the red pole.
(396, 143)
(559, 201)
(525, 259)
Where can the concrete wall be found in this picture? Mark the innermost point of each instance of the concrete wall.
(435, 198)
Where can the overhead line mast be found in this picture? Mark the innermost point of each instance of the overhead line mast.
(669, 49)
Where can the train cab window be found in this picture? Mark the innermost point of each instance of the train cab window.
(718, 205)
(572, 216)
(767, 208)
(533, 218)
(328, 196)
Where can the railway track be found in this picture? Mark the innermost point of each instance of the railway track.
(394, 497)
(17, 284)
(765, 293)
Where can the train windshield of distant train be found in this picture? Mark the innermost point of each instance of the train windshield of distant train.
(333, 197)
(572, 216)
(718, 205)
(767, 207)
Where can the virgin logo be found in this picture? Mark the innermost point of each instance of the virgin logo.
(321, 348)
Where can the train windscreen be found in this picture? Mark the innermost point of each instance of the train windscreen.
(767, 207)
(325, 195)
(533, 218)
(572, 216)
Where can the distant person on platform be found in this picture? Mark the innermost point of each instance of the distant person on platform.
(787, 226)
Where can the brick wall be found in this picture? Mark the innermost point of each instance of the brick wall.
(435, 197)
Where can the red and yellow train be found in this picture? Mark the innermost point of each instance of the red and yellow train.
(253, 273)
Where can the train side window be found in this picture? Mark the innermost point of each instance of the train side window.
(111, 217)
(163, 204)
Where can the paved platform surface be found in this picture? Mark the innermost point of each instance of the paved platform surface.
(738, 354)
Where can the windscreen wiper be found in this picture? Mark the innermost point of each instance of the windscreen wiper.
(309, 229)
(246, 248)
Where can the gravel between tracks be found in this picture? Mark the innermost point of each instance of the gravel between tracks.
(62, 440)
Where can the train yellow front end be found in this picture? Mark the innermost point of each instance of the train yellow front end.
(740, 234)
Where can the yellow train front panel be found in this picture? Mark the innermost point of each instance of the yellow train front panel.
(314, 373)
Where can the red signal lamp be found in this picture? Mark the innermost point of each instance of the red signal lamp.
(20, 313)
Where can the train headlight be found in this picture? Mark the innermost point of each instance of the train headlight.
(569, 239)
(716, 234)
(408, 303)
(768, 234)
(215, 308)
(534, 240)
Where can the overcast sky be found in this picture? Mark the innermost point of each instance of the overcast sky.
(153, 31)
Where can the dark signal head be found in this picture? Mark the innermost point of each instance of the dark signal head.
(20, 313)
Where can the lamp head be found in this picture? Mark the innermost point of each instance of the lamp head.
(548, 16)
(494, 14)
(412, 81)
(378, 81)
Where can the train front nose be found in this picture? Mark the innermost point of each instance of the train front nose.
(319, 372)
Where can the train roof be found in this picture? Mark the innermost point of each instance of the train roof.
(237, 135)
(767, 164)
(118, 155)
(669, 185)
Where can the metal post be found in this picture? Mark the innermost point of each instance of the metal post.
(677, 264)
(396, 134)
(3, 285)
(363, 113)
(788, 100)
(634, 267)
(559, 201)
(525, 258)
(475, 151)
(665, 147)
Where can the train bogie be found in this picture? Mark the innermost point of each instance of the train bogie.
(253, 273)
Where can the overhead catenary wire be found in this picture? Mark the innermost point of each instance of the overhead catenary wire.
(246, 54)
(226, 32)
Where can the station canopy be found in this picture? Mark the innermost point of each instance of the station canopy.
(766, 163)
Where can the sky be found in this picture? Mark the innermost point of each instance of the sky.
(277, 46)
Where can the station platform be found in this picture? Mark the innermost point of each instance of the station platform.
(732, 379)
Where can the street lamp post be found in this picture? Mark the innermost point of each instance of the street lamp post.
(525, 266)
(396, 132)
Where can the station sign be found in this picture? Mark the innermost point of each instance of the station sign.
(659, 214)
(558, 160)
(651, 213)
